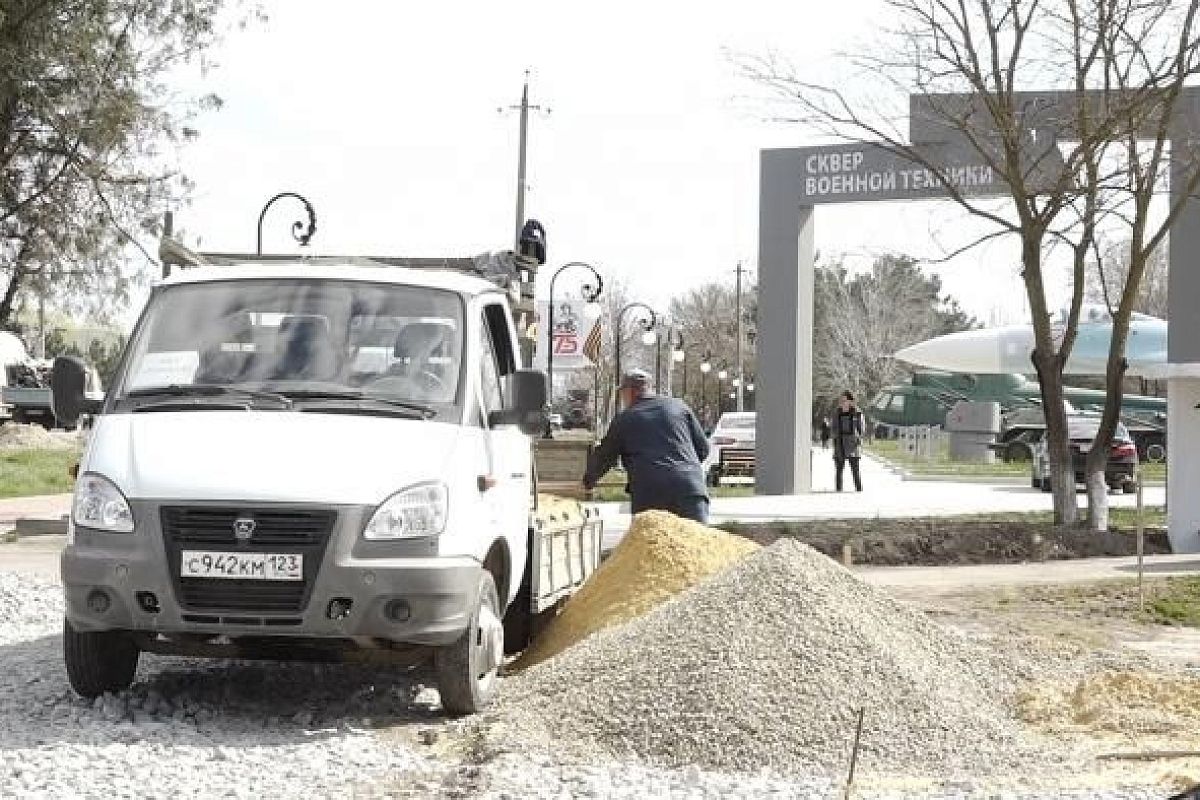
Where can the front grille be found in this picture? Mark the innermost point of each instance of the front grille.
(275, 528)
(303, 532)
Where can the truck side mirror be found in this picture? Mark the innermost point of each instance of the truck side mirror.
(526, 407)
(68, 398)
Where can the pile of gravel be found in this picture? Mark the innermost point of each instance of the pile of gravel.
(764, 667)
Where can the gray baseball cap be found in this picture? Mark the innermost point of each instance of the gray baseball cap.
(635, 379)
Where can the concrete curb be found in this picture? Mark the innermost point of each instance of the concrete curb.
(27, 527)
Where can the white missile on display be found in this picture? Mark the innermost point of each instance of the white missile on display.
(1008, 349)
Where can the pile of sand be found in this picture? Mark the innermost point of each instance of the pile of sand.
(659, 557)
(1131, 702)
(15, 436)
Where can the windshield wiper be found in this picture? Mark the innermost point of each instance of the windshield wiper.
(209, 390)
(351, 394)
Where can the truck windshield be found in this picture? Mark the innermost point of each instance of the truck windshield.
(318, 339)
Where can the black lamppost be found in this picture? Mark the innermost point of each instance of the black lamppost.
(675, 342)
(705, 368)
(647, 324)
(590, 294)
(298, 232)
(721, 376)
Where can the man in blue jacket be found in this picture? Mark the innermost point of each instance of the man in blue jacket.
(661, 444)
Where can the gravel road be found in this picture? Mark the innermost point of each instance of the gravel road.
(193, 728)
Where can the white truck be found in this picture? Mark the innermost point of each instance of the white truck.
(322, 458)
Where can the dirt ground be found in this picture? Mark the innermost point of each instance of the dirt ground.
(936, 542)
(1119, 680)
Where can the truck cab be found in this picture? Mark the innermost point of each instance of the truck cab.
(307, 460)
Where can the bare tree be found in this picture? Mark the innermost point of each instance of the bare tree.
(861, 320)
(1119, 69)
(707, 317)
(1109, 275)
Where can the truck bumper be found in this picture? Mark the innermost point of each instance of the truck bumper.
(125, 582)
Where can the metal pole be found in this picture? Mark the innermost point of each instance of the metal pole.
(738, 321)
(658, 359)
(549, 432)
(590, 294)
(1141, 544)
(646, 324)
(42, 317)
(168, 232)
(524, 137)
(595, 398)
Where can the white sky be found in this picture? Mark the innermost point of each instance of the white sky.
(384, 114)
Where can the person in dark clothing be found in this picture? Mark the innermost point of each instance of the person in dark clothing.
(661, 444)
(825, 433)
(847, 439)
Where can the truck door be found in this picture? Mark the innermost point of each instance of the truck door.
(508, 447)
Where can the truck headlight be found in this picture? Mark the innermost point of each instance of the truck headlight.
(100, 505)
(416, 511)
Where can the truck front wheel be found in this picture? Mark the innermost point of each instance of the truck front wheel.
(99, 662)
(467, 670)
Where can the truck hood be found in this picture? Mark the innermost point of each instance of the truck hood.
(268, 456)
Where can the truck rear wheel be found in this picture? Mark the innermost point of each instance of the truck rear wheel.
(467, 669)
(99, 662)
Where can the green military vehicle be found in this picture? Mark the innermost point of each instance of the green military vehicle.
(931, 395)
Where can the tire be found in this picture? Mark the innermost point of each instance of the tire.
(465, 679)
(1017, 452)
(99, 662)
(1036, 483)
(1046, 487)
(1129, 488)
(1156, 453)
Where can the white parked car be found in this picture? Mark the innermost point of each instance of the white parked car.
(734, 432)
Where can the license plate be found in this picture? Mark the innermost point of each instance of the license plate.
(242, 566)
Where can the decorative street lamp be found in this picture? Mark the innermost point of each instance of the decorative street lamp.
(675, 342)
(590, 294)
(721, 377)
(298, 231)
(647, 323)
(705, 368)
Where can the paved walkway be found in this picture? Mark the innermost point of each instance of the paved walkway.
(52, 506)
(931, 580)
(885, 494)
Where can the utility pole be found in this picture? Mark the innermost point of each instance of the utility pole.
(522, 145)
(42, 319)
(738, 322)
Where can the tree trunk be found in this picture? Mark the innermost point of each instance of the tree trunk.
(10, 292)
(1097, 458)
(1049, 365)
(1058, 448)
(1097, 496)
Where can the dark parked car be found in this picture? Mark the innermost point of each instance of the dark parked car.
(1119, 473)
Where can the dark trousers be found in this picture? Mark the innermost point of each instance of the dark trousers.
(693, 507)
(840, 463)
